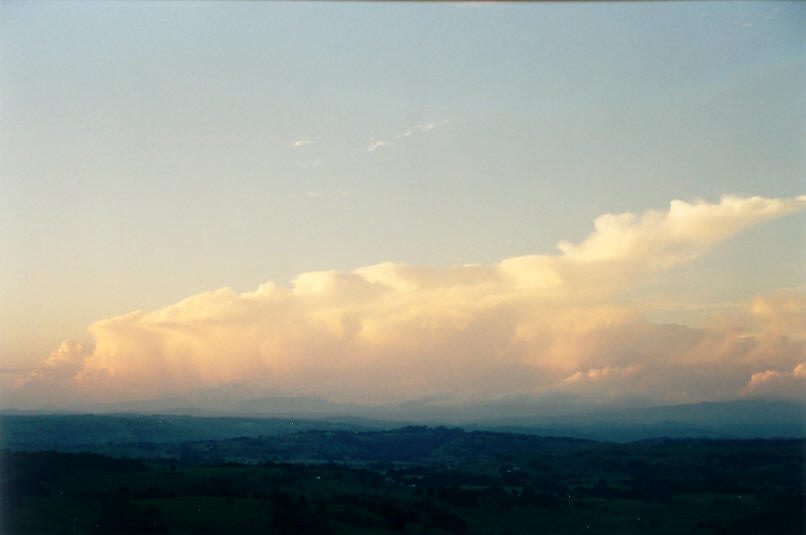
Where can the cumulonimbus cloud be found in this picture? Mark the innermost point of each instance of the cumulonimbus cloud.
(392, 331)
(779, 383)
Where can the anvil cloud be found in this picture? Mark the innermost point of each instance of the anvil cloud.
(391, 331)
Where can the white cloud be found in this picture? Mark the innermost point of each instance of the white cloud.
(300, 143)
(664, 239)
(778, 383)
(425, 127)
(601, 374)
(377, 144)
(393, 331)
(54, 381)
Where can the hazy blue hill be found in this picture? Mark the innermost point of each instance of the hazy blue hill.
(294, 406)
(44, 431)
(738, 419)
(753, 412)
(607, 431)
(272, 416)
(572, 417)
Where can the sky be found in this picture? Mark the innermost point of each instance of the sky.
(385, 201)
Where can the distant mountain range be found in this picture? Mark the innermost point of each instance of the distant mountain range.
(717, 420)
(548, 416)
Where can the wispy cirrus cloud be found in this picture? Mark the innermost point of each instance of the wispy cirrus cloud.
(425, 127)
(376, 143)
(391, 331)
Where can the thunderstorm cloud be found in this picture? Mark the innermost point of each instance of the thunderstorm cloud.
(391, 331)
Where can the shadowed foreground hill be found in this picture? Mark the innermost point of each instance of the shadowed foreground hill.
(413, 480)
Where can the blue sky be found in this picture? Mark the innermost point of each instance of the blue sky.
(148, 148)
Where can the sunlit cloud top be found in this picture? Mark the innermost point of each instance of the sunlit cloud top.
(391, 331)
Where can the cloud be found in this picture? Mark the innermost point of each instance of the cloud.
(607, 378)
(300, 143)
(425, 127)
(377, 144)
(600, 374)
(391, 331)
(783, 312)
(53, 382)
(664, 239)
(778, 383)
